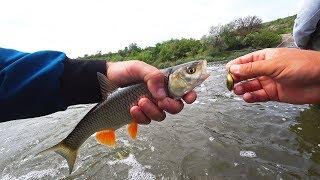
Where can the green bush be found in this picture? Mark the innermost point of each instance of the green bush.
(177, 49)
(233, 42)
(265, 39)
(145, 56)
(249, 39)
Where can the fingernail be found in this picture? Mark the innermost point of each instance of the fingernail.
(161, 93)
(238, 90)
(235, 68)
(227, 66)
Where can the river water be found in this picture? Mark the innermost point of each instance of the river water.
(217, 137)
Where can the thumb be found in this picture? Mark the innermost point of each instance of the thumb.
(152, 76)
(252, 69)
(155, 83)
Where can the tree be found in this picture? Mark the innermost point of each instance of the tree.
(246, 25)
(133, 47)
(216, 36)
(231, 36)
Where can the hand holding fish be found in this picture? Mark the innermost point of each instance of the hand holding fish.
(145, 87)
(280, 74)
(130, 72)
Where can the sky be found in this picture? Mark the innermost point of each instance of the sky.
(79, 27)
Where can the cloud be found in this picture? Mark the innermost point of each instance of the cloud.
(80, 27)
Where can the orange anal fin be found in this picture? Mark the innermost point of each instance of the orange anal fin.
(106, 137)
(133, 129)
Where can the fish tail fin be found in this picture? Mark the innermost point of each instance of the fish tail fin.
(66, 152)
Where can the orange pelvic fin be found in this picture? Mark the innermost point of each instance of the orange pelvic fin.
(133, 129)
(106, 137)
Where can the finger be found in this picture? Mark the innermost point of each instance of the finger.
(154, 78)
(248, 86)
(190, 97)
(251, 57)
(172, 106)
(139, 116)
(256, 96)
(151, 110)
(251, 70)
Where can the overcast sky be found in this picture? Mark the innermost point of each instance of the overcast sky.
(79, 27)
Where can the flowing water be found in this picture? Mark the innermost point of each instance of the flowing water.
(217, 137)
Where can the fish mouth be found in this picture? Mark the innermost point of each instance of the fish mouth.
(205, 73)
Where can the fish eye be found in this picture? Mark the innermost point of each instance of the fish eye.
(191, 70)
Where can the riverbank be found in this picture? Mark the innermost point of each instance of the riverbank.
(223, 42)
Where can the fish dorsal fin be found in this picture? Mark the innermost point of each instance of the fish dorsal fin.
(106, 86)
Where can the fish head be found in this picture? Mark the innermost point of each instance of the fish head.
(185, 77)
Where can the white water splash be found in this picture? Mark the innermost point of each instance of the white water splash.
(34, 175)
(249, 154)
(137, 171)
(152, 148)
(237, 98)
(196, 102)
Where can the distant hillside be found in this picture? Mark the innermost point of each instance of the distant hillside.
(224, 42)
(281, 25)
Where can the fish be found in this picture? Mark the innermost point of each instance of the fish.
(114, 110)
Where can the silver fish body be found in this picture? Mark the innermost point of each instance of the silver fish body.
(111, 113)
(114, 111)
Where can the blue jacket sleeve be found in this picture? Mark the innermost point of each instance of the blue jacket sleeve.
(40, 83)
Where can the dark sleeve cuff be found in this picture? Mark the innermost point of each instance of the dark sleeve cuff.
(79, 83)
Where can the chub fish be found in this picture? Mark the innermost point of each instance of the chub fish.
(114, 111)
